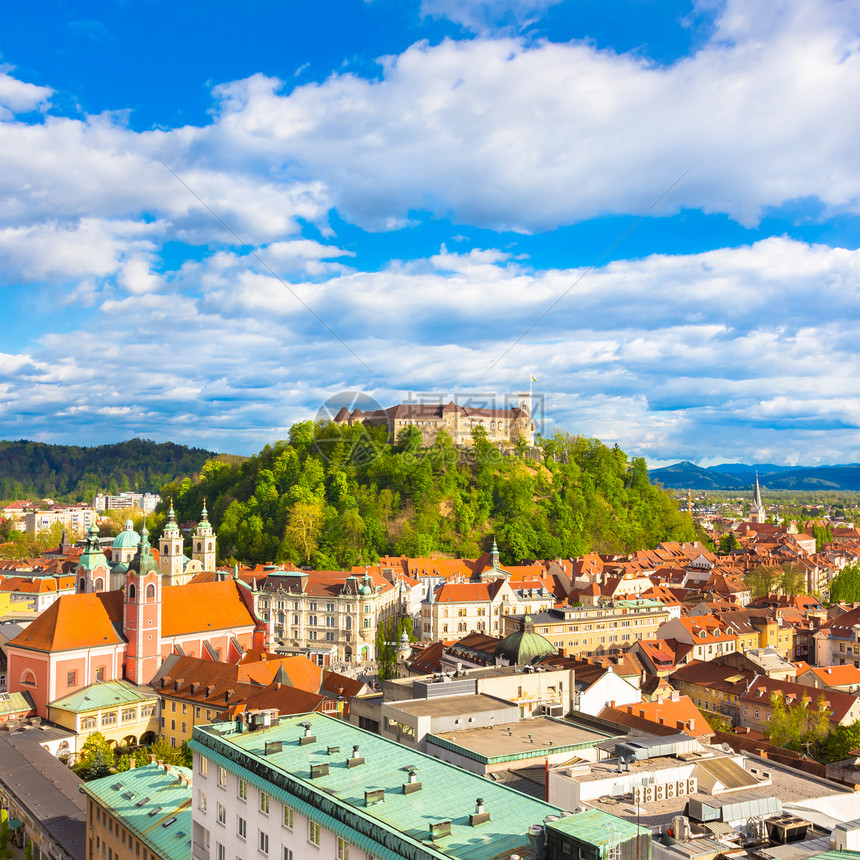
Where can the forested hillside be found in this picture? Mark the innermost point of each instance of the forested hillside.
(332, 496)
(73, 473)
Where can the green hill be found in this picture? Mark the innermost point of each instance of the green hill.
(685, 474)
(74, 473)
(334, 496)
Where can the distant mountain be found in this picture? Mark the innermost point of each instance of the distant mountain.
(747, 473)
(685, 474)
(740, 476)
(74, 473)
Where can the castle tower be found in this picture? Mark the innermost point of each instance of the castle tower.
(757, 512)
(142, 614)
(171, 551)
(91, 573)
(203, 542)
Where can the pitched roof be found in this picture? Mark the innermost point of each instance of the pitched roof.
(103, 694)
(467, 592)
(762, 687)
(75, 621)
(202, 607)
(674, 714)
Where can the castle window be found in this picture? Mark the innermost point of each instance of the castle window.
(150, 592)
(132, 591)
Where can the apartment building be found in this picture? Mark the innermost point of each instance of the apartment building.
(143, 813)
(147, 502)
(328, 615)
(714, 688)
(75, 519)
(312, 786)
(585, 630)
(838, 641)
(708, 636)
(457, 608)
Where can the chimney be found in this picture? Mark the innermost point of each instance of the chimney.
(167, 768)
(132, 764)
(675, 696)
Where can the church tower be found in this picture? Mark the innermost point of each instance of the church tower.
(171, 551)
(142, 614)
(757, 512)
(203, 542)
(91, 573)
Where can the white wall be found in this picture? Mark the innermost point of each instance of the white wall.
(610, 688)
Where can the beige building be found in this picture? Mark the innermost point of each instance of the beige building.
(511, 425)
(75, 519)
(329, 615)
(459, 608)
(585, 630)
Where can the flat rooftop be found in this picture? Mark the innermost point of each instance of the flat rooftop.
(449, 706)
(389, 829)
(537, 736)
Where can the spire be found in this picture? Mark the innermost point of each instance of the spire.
(143, 561)
(170, 525)
(205, 514)
(757, 494)
(495, 554)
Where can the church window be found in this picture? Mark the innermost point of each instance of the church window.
(166, 549)
(71, 679)
(132, 591)
(199, 546)
(82, 585)
(100, 584)
(100, 673)
(150, 592)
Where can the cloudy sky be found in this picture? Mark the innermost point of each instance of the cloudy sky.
(216, 217)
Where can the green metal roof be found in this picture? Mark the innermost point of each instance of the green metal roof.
(145, 799)
(104, 694)
(143, 561)
(15, 703)
(92, 556)
(128, 538)
(598, 828)
(399, 826)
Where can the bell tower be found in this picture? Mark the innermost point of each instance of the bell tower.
(203, 542)
(91, 573)
(171, 551)
(142, 614)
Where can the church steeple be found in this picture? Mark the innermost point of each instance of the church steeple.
(92, 569)
(757, 512)
(142, 613)
(203, 541)
(494, 555)
(171, 551)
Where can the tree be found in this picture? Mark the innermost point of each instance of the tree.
(786, 724)
(728, 542)
(6, 852)
(304, 527)
(96, 757)
(845, 587)
(761, 580)
(719, 723)
(792, 580)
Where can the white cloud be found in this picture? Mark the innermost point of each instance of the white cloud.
(18, 96)
(483, 15)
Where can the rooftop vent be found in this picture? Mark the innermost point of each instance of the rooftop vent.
(356, 760)
(479, 816)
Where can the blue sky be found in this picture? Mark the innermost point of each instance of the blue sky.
(213, 218)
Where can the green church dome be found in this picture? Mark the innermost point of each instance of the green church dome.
(128, 538)
(92, 556)
(143, 562)
(524, 647)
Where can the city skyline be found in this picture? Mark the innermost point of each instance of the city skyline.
(216, 220)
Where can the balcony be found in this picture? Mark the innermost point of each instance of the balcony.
(198, 852)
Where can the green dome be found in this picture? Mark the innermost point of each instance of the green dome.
(128, 538)
(92, 556)
(143, 562)
(524, 647)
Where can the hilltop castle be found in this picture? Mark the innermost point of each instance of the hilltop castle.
(503, 426)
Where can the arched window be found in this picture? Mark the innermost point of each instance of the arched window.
(199, 546)
(100, 584)
(166, 549)
(82, 585)
(132, 591)
(150, 592)
(28, 678)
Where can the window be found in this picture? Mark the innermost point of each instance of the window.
(220, 853)
(197, 713)
(288, 855)
(243, 790)
(342, 849)
(243, 827)
(129, 715)
(264, 803)
(367, 622)
(288, 817)
(100, 673)
(222, 776)
(184, 727)
(313, 833)
(109, 718)
(201, 800)
(150, 592)
(202, 767)
(71, 679)
(264, 842)
(222, 814)
(88, 723)
(173, 707)
(173, 725)
(184, 709)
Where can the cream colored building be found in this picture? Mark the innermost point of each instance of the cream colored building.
(329, 615)
(585, 630)
(75, 519)
(458, 608)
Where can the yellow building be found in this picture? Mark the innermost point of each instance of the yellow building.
(127, 715)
